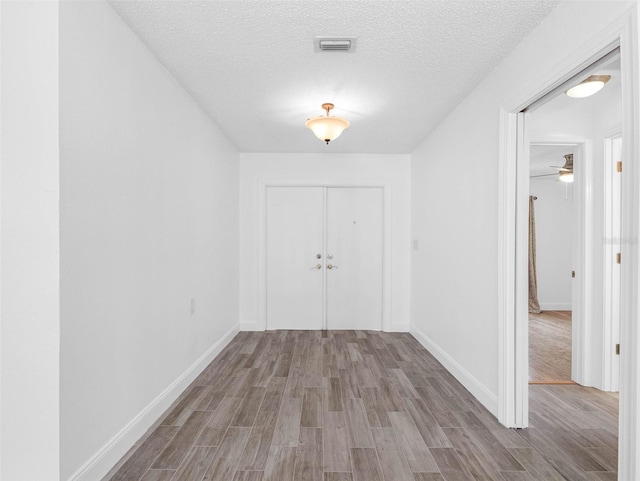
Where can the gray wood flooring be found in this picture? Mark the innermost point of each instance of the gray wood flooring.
(363, 406)
(550, 347)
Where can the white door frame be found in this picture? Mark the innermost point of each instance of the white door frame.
(611, 293)
(513, 179)
(262, 240)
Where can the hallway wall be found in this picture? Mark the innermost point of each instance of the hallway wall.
(148, 221)
(29, 246)
(455, 202)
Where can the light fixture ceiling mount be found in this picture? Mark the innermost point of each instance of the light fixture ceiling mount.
(588, 86)
(334, 44)
(327, 127)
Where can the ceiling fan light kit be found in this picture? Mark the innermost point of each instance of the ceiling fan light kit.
(327, 127)
(588, 87)
(566, 171)
(566, 177)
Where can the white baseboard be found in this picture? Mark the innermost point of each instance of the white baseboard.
(106, 457)
(555, 306)
(249, 326)
(253, 326)
(399, 327)
(475, 387)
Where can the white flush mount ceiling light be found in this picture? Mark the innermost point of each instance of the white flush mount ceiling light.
(588, 87)
(327, 127)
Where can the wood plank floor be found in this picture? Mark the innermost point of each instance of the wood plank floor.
(362, 405)
(550, 347)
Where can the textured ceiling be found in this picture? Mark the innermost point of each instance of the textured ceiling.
(252, 67)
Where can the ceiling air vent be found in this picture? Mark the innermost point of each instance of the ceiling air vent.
(334, 44)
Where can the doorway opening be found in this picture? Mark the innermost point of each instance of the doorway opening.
(570, 180)
(589, 134)
(513, 402)
(552, 245)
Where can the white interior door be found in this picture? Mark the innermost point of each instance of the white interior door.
(324, 258)
(354, 258)
(295, 283)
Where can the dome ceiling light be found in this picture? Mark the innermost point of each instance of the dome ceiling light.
(588, 87)
(327, 127)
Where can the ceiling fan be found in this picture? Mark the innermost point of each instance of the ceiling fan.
(565, 172)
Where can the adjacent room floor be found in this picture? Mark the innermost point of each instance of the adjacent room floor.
(550, 347)
(363, 405)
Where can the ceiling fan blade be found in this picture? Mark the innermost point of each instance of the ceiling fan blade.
(541, 175)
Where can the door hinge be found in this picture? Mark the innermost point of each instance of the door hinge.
(618, 349)
(619, 166)
(618, 258)
(573, 274)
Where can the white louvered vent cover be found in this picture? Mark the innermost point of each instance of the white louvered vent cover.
(334, 44)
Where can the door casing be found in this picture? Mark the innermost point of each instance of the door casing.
(612, 234)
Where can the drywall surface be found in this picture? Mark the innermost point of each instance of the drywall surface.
(455, 189)
(148, 222)
(325, 169)
(554, 241)
(29, 304)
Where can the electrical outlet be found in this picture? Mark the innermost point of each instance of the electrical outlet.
(192, 306)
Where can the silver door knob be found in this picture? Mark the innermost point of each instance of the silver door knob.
(318, 266)
(330, 256)
(331, 266)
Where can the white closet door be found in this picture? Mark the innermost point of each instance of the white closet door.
(294, 240)
(354, 250)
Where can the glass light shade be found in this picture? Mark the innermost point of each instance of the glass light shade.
(327, 128)
(585, 90)
(588, 87)
(566, 176)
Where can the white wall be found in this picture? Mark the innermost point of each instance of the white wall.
(554, 241)
(455, 202)
(325, 168)
(149, 220)
(29, 304)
